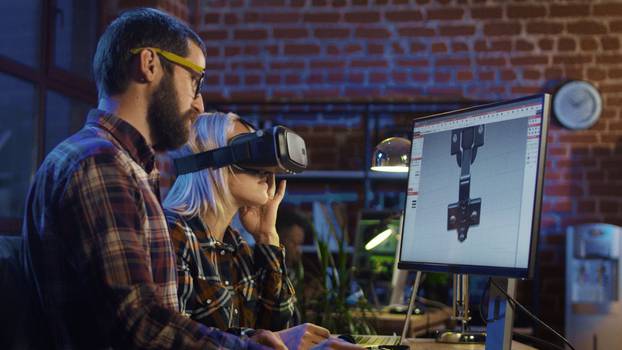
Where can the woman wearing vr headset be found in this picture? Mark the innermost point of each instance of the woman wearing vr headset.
(223, 282)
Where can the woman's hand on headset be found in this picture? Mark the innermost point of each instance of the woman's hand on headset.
(261, 221)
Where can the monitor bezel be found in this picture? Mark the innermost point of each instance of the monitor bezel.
(510, 272)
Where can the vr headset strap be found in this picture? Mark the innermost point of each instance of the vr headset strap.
(215, 159)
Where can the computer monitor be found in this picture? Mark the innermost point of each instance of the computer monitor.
(475, 189)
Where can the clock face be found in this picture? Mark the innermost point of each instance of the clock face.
(577, 105)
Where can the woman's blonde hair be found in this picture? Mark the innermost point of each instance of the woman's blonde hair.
(207, 190)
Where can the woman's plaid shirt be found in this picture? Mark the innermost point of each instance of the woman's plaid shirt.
(227, 284)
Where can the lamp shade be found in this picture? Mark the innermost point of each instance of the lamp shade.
(391, 155)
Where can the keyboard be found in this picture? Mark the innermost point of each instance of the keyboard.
(372, 341)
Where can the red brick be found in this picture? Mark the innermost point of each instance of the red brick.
(609, 59)
(615, 26)
(502, 28)
(378, 78)
(331, 33)
(208, 35)
(416, 31)
(526, 90)
(569, 10)
(544, 27)
(487, 12)
(508, 75)
(280, 17)
(251, 17)
(403, 16)
(464, 76)
(211, 18)
(566, 44)
(375, 49)
(610, 43)
(420, 76)
(250, 34)
(608, 9)
(486, 76)
(442, 77)
(230, 18)
(459, 47)
(353, 48)
(288, 64)
(417, 47)
(586, 27)
(372, 33)
(398, 49)
(321, 17)
(604, 189)
(491, 61)
(400, 77)
(564, 190)
(525, 11)
(553, 73)
(529, 60)
(232, 50)
(453, 62)
(267, 3)
(362, 17)
(290, 33)
(596, 74)
(301, 49)
(444, 14)
(494, 46)
(523, 45)
(572, 59)
(368, 63)
(545, 44)
(532, 75)
(459, 30)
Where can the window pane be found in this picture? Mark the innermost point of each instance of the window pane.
(76, 36)
(19, 30)
(18, 106)
(63, 117)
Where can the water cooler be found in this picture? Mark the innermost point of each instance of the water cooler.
(593, 283)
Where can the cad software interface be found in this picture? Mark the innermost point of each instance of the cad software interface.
(471, 187)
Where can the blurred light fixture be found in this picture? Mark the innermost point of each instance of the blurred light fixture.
(391, 155)
(378, 239)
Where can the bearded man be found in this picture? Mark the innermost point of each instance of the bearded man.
(96, 240)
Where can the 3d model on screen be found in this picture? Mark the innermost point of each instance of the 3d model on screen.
(465, 213)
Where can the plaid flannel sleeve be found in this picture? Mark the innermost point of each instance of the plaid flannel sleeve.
(276, 296)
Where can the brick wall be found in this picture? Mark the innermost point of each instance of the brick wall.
(425, 50)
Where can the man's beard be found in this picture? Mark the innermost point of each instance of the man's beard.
(168, 126)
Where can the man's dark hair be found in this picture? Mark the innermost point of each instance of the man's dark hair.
(288, 217)
(142, 27)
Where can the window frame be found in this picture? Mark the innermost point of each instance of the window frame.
(45, 76)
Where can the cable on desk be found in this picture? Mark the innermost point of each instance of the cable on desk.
(513, 303)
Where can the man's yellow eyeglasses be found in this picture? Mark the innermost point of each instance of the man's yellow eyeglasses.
(176, 59)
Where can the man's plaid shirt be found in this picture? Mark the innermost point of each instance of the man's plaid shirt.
(227, 284)
(97, 246)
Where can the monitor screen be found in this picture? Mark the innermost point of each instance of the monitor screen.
(475, 188)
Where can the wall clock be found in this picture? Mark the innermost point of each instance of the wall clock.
(577, 104)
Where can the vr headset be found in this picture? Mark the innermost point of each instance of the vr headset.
(273, 150)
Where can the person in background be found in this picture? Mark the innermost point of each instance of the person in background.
(96, 240)
(223, 282)
(292, 227)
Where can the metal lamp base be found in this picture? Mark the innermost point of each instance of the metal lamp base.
(457, 337)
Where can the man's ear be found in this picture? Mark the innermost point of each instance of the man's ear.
(148, 65)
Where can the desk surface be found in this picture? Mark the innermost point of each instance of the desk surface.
(388, 323)
(431, 344)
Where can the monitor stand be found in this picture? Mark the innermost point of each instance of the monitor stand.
(500, 317)
(461, 313)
